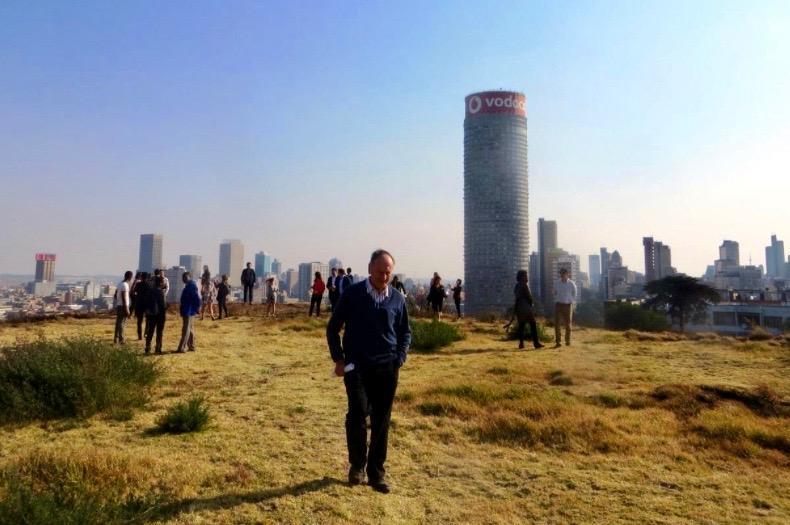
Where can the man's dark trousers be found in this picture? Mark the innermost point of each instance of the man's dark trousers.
(371, 391)
(154, 323)
(248, 290)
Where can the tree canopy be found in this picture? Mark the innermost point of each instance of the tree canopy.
(681, 296)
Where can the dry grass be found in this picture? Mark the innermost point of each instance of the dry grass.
(617, 428)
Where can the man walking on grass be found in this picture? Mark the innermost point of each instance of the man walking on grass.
(374, 346)
(565, 296)
(190, 306)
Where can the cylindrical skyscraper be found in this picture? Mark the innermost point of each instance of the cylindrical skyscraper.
(496, 219)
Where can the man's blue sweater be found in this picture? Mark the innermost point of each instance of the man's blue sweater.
(374, 333)
(190, 300)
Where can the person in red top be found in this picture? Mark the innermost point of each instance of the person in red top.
(317, 295)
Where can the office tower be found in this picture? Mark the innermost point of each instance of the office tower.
(334, 262)
(594, 265)
(263, 264)
(664, 261)
(231, 260)
(603, 285)
(650, 258)
(496, 218)
(729, 252)
(775, 258)
(175, 275)
(547, 241)
(292, 282)
(193, 264)
(277, 268)
(45, 267)
(658, 259)
(150, 252)
(306, 276)
(534, 272)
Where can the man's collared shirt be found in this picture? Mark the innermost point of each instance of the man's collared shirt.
(378, 297)
(565, 292)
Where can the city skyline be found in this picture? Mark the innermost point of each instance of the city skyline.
(681, 134)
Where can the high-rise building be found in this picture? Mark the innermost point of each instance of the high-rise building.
(175, 275)
(730, 253)
(603, 285)
(306, 276)
(594, 266)
(231, 260)
(496, 218)
(775, 258)
(292, 282)
(45, 267)
(547, 241)
(263, 264)
(150, 252)
(334, 262)
(650, 258)
(277, 268)
(658, 259)
(193, 264)
(534, 272)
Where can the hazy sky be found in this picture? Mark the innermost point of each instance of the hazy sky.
(320, 129)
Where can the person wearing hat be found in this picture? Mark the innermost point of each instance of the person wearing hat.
(564, 297)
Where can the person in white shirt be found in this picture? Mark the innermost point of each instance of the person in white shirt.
(122, 307)
(564, 297)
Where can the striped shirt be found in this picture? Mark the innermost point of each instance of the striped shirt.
(378, 297)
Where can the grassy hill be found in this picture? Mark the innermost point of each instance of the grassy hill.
(618, 428)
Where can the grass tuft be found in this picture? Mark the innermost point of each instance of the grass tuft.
(86, 486)
(558, 378)
(188, 416)
(71, 378)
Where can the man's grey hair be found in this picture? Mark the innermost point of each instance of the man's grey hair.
(381, 253)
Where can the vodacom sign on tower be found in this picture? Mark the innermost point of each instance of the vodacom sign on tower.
(496, 102)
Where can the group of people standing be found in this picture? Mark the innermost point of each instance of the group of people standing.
(337, 283)
(437, 293)
(212, 292)
(145, 295)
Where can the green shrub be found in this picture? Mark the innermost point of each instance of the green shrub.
(189, 416)
(589, 313)
(624, 316)
(428, 336)
(71, 378)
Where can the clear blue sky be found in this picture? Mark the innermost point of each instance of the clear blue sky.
(319, 129)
